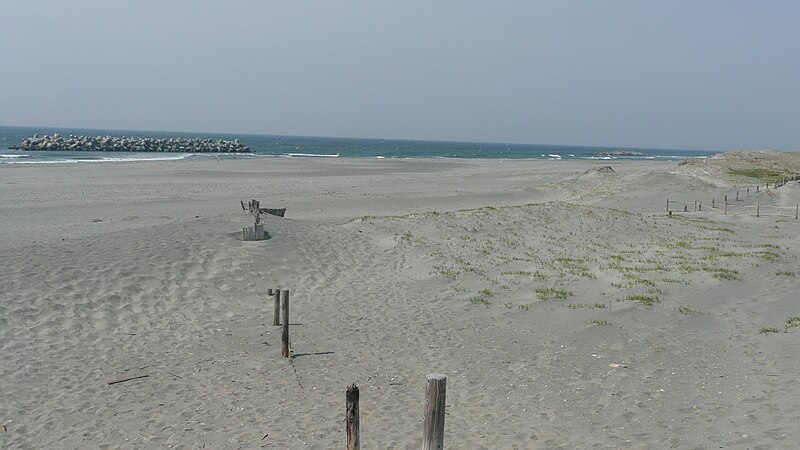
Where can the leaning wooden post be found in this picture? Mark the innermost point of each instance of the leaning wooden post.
(285, 335)
(435, 392)
(351, 417)
(276, 295)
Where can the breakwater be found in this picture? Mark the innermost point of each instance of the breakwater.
(57, 142)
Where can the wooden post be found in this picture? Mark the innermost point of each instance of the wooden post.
(737, 196)
(756, 188)
(695, 206)
(276, 294)
(712, 201)
(767, 185)
(285, 335)
(668, 205)
(758, 210)
(796, 210)
(243, 208)
(685, 208)
(726, 207)
(435, 392)
(748, 192)
(700, 206)
(726, 199)
(351, 417)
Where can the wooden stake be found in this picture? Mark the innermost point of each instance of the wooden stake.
(685, 208)
(726, 207)
(435, 393)
(712, 201)
(796, 210)
(285, 335)
(667, 205)
(695, 206)
(756, 188)
(758, 210)
(276, 294)
(700, 206)
(737, 196)
(726, 199)
(748, 192)
(351, 417)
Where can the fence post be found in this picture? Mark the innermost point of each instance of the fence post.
(667, 205)
(276, 319)
(700, 206)
(695, 206)
(351, 417)
(737, 196)
(435, 392)
(285, 335)
(758, 209)
(748, 192)
(712, 201)
(726, 207)
(796, 210)
(726, 199)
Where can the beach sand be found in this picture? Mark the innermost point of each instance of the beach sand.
(525, 282)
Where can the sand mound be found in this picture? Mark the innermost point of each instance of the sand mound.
(741, 167)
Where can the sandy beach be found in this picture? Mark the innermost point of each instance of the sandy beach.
(565, 306)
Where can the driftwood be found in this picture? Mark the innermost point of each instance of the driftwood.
(122, 380)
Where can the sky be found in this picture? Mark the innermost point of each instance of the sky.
(706, 75)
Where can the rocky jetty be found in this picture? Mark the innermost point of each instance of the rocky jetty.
(72, 143)
(618, 153)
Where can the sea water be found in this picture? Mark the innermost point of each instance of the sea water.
(313, 147)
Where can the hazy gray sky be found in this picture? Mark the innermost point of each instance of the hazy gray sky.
(716, 75)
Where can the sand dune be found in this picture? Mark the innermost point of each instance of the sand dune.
(522, 281)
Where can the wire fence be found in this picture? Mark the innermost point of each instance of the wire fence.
(740, 203)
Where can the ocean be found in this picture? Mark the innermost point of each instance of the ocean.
(315, 147)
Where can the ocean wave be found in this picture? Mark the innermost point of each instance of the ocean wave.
(310, 155)
(14, 156)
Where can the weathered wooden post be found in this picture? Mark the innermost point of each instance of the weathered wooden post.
(285, 335)
(276, 319)
(737, 196)
(726, 207)
(756, 188)
(242, 202)
(351, 417)
(667, 205)
(748, 192)
(712, 201)
(796, 210)
(695, 206)
(726, 199)
(758, 209)
(700, 206)
(685, 208)
(435, 393)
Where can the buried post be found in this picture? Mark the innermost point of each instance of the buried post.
(276, 294)
(285, 334)
(351, 417)
(433, 432)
